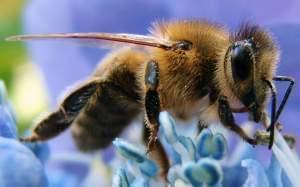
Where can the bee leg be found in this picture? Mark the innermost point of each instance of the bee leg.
(158, 153)
(265, 122)
(61, 119)
(152, 102)
(227, 119)
(201, 126)
(43, 130)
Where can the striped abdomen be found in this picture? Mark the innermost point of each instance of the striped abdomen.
(114, 105)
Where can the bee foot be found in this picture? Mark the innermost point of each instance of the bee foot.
(279, 126)
(151, 144)
(32, 138)
(251, 141)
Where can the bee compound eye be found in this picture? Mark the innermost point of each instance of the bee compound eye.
(240, 62)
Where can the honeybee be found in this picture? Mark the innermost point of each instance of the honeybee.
(189, 68)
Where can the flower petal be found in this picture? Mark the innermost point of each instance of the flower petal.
(220, 146)
(176, 173)
(204, 143)
(129, 151)
(61, 178)
(147, 167)
(120, 179)
(206, 170)
(168, 125)
(40, 149)
(190, 148)
(8, 127)
(140, 181)
(287, 159)
(274, 172)
(256, 174)
(18, 166)
(3, 93)
(211, 145)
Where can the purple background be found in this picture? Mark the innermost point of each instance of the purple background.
(64, 64)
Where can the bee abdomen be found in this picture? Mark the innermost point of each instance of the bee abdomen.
(105, 116)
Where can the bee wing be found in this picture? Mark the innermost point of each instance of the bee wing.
(98, 38)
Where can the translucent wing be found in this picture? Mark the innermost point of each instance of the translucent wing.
(95, 38)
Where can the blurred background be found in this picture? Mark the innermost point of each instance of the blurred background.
(37, 73)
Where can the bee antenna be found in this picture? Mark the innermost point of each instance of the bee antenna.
(287, 92)
(271, 128)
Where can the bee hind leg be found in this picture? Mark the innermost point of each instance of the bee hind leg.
(227, 120)
(61, 119)
(52, 125)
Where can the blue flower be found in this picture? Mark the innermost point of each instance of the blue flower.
(260, 176)
(146, 166)
(60, 178)
(41, 150)
(288, 159)
(256, 174)
(200, 161)
(7, 124)
(8, 127)
(19, 166)
(211, 145)
(205, 172)
(121, 179)
(193, 168)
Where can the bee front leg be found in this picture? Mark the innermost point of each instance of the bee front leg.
(152, 107)
(227, 119)
(201, 126)
(152, 102)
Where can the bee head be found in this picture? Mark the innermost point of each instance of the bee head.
(250, 60)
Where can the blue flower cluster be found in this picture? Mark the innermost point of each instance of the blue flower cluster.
(196, 162)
